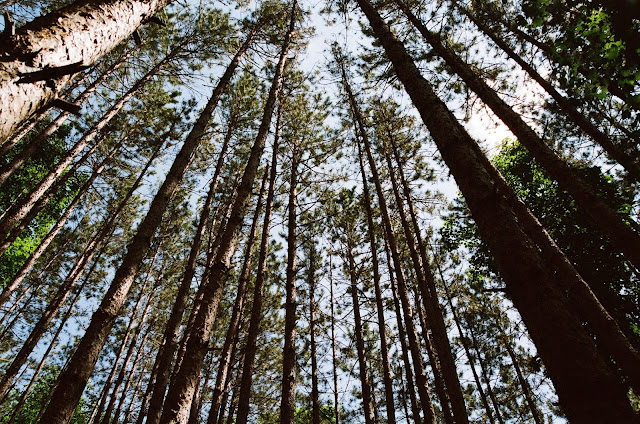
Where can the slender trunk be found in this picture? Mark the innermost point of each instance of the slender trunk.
(226, 357)
(367, 404)
(612, 224)
(136, 390)
(382, 328)
(22, 208)
(465, 346)
(402, 336)
(311, 281)
(421, 375)
(39, 140)
(251, 346)
(443, 360)
(169, 345)
(287, 404)
(563, 103)
(181, 389)
(485, 374)
(142, 409)
(227, 383)
(73, 380)
(46, 52)
(336, 403)
(587, 388)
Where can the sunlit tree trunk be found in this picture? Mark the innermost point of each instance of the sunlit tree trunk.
(46, 52)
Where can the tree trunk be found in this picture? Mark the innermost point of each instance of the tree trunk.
(181, 389)
(224, 363)
(45, 53)
(74, 378)
(402, 336)
(623, 235)
(258, 288)
(311, 281)
(382, 328)
(287, 404)
(588, 390)
(421, 376)
(367, 404)
(336, 403)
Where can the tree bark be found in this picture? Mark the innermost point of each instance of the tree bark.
(258, 289)
(287, 404)
(49, 50)
(336, 403)
(367, 404)
(311, 282)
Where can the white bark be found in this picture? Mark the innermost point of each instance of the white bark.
(79, 34)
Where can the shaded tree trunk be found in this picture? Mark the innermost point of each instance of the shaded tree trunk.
(587, 388)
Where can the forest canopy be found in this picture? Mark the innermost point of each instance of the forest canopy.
(348, 211)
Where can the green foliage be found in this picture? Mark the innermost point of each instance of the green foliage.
(35, 401)
(595, 257)
(34, 169)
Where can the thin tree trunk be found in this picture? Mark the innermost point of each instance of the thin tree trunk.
(258, 289)
(311, 281)
(20, 210)
(382, 328)
(182, 387)
(336, 404)
(367, 404)
(72, 381)
(421, 376)
(142, 410)
(587, 388)
(224, 362)
(402, 336)
(287, 404)
(623, 235)
(46, 52)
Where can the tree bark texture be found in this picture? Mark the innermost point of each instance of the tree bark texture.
(44, 54)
